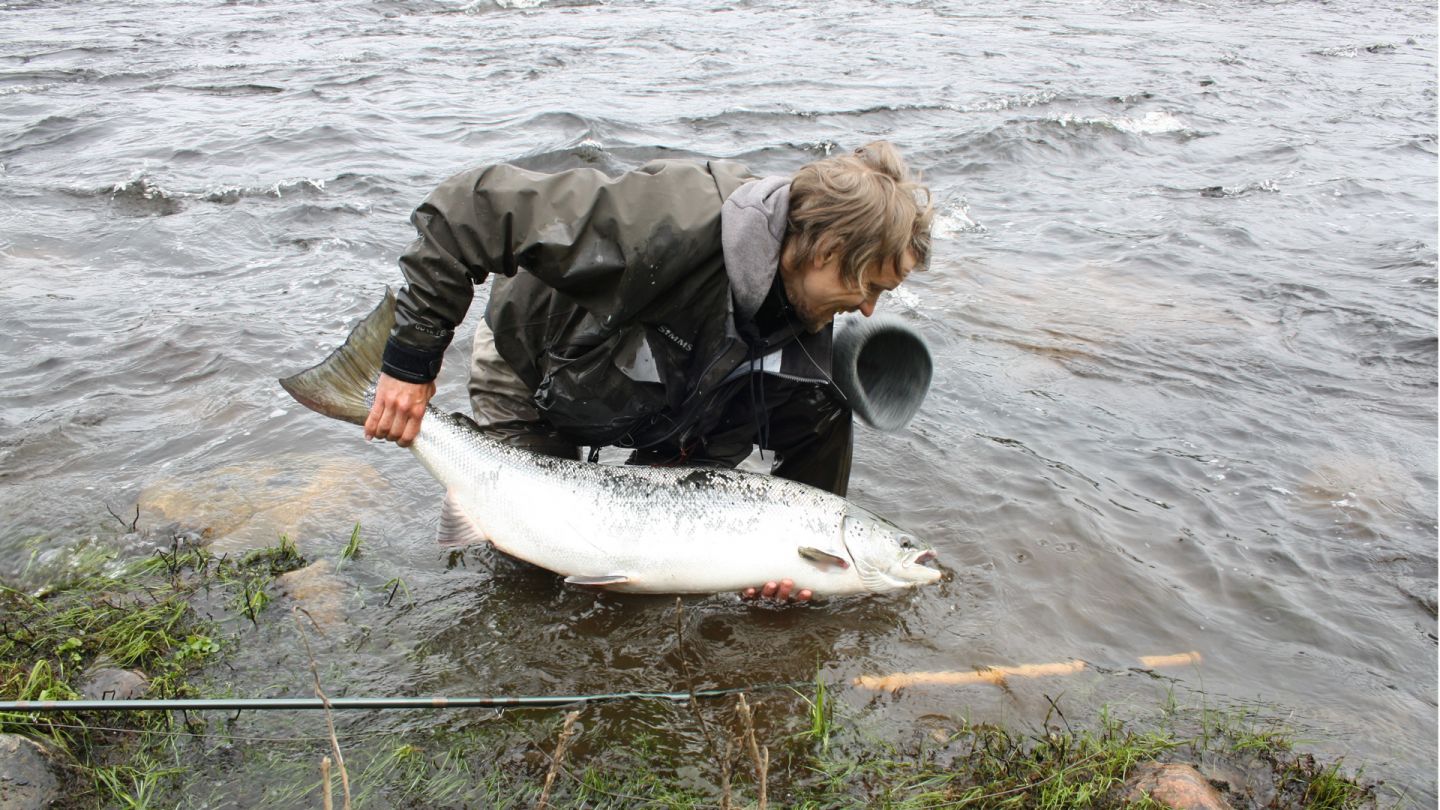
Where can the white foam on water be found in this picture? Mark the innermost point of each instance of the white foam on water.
(1155, 122)
(905, 296)
(953, 221)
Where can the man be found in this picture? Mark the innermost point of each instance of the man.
(683, 310)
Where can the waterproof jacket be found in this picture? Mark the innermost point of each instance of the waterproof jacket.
(614, 305)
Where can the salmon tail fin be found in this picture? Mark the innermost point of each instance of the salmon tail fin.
(342, 386)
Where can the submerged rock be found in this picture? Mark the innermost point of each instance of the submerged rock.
(1176, 786)
(319, 590)
(29, 778)
(250, 505)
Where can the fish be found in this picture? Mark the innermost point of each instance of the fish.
(629, 529)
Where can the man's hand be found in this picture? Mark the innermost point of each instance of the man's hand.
(398, 409)
(779, 591)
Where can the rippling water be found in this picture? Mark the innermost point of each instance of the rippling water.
(1183, 303)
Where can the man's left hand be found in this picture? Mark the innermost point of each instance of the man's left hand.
(399, 407)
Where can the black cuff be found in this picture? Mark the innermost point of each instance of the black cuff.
(409, 364)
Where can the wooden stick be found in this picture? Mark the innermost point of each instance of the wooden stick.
(320, 693)
(1176, 660)
(555, 760)
(725, 775)
(997, 675)
(326, 800)
(762, 761)
(992, 675)
(689, 678)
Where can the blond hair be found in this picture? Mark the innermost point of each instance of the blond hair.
(866, 207)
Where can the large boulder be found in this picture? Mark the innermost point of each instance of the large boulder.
(250, 505)
(29, 774)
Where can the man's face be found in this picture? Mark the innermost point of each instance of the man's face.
(819, 293)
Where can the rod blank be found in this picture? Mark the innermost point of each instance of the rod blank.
(306, 704)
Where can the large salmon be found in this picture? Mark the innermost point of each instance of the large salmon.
(624, 528)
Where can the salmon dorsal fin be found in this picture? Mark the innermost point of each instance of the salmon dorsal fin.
(457, 528)
(824, 557)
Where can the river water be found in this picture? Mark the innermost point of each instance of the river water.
(1183, 305)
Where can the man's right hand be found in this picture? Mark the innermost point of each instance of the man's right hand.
(399, 407)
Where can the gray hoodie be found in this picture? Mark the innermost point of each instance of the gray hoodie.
(752, 231)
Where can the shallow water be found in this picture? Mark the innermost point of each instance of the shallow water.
(1183, 304)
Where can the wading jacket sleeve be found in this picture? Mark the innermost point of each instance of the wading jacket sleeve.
(615, 305)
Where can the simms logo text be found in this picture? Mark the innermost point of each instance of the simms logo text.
(676, 339)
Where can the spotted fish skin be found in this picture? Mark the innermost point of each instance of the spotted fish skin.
(627, 528)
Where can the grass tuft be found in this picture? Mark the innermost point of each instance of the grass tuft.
(352, 548)
(138, 616)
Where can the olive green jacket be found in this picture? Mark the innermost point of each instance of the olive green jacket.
(614, 306)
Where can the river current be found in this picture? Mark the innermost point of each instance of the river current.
(1182, 302)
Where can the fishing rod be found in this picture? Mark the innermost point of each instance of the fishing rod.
(303, 704)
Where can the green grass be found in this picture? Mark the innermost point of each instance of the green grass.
(133, 786)
(821, 711)
(133, 614)
(989, 766)
(352, 548)
(281, 558)
(1324, 787)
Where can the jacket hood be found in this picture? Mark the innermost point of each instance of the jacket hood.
(752, 230)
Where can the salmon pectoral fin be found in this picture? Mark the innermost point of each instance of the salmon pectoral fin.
(597, 582)
(822, 556)
(456, 528)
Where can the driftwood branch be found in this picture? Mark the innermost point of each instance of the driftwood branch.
(760, 757)
(329, 716)
(555, 760)
(689, 678)
(327, 801)
(129, 527)
(725, 775)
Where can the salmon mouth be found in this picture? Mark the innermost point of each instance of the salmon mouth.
(923, 557)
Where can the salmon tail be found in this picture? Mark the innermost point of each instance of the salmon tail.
(343, 385)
